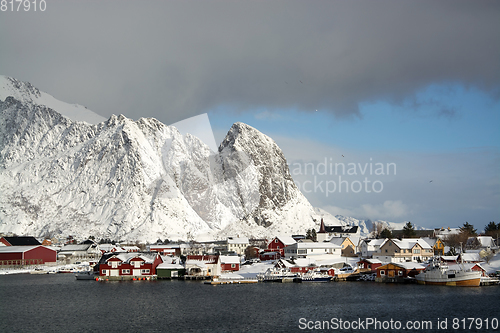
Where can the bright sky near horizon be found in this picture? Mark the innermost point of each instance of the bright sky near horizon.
(414, 83)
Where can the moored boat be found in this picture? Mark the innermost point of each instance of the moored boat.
(438, 273)
(277, 275)
(87, 275)
(313, 276)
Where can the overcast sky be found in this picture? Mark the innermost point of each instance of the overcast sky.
(415, 83)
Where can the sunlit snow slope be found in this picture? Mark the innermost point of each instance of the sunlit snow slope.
(136, 180)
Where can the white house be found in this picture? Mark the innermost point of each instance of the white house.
(237, 244)
(313, 249)
(367, 247)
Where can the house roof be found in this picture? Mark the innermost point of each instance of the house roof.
(430, 241)
(169, 266)
(405, 265)
(21, 240)
(17, 249)
(304, 262)
(470, 257)
(238, 240)
(337, 240)
(371, 261)
(408, 243)
(342, 229)
(78, 247)
(374, 242)
(287, 240)
(127, 257)
(229, 259)
(315, 245)
(449, 258)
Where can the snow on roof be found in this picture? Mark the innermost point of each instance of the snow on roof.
(337, 240)
(443, 232)
(195, 263)
(430, 241)
(169, 266)
(127, 257)
(75, 247)
(18, 249)
(408, 243)
(229, 259)
(405, 265)
(375, 242)
(471, 257)
(322, 245)
(304, 262)
(238, 240)
(486, 241)
(287, 240)
(449, 258)
(354, 240)
(372, 261)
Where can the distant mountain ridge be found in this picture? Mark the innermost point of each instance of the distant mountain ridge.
(136, 180)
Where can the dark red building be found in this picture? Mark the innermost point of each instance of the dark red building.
(26, 255)
(279, 243)
(130, 265)
(230, 263)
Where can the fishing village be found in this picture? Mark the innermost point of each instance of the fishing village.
(443, 256)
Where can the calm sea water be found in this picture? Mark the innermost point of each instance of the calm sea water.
(60, 303)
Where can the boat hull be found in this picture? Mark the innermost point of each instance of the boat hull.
(460, 283)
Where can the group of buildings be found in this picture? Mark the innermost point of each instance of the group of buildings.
(334, 247)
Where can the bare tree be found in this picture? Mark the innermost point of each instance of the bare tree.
(376, 229)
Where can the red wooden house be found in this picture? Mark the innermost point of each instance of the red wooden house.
(369, 265)
(230, 263)
(130, 265)
(269, 255)
(279, 243)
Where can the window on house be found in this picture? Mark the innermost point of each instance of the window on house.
(233, 265)
(400, 273)
(125, 271)
(386, 250)
(145, 271)
(382, 272)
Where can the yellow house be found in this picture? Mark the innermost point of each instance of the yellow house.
(437, 245)
(347, 245)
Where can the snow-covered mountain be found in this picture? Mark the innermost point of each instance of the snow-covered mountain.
(63, 171)
(25, 92)
(366, 226)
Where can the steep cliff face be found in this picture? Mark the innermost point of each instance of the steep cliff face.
(137, 180)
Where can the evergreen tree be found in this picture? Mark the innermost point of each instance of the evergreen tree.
(492, 229)
(409, 230)
(468, 230)
(386, 233)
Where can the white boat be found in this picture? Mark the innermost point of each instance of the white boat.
(277, 275)
(314, 276)
(438, 273)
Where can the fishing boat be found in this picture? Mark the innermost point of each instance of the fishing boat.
(277, 275)
(438, 273)
(313, 276)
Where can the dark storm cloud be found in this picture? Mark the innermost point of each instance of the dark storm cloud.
(172, 60)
